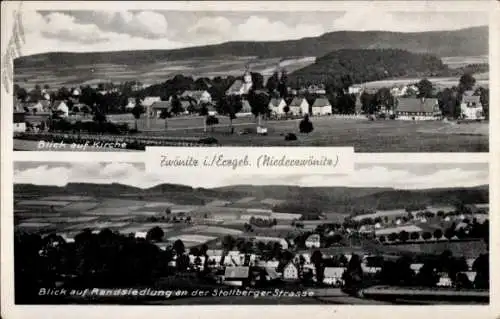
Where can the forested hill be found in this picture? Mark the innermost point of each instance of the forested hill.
(369, 65)
(338, 199)
(464, 42)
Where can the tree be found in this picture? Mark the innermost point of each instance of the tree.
(382, 239)
(211, 121)
(450, 232)
(426, 235)
(317, 261)
(414, 236)
(425, 88)
(306, 126)
(283, 85)
(176, 105)
(230, 106)
(392, 236)
(403, 236)
(482, 269)
(155, 234)
(259, 103)
(136, 112)
(179, 247)
(272, 83)
(438, 234)
(228, 242)
(286, 109)
(466, 83)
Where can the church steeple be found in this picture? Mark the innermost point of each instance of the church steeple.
(247, 76)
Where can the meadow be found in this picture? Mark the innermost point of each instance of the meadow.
(366, 136)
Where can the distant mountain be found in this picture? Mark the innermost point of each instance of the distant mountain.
(464, 42)
(298, 199)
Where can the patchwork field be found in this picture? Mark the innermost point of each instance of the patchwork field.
(151, 73)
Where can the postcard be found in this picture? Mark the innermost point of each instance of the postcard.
(242, 158)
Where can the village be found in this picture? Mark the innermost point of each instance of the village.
(223, 245)
(248, 105)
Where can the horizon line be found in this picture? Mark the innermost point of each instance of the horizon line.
(256, 41)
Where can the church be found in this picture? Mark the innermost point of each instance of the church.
(241, 87)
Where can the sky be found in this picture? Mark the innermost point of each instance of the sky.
(84, 31)
(400, 176)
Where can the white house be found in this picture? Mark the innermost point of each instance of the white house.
(277, 106)
(299, 106)
(313, 241)
(290, 272)
(321, 106)
(444, 280)
(471, 106)
(200, 96)
(149, 100)
(61, 107)
(130, 104)
(333, 275)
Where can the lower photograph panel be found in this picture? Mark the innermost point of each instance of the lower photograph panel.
(112, 233)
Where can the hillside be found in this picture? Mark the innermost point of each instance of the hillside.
(465, 42)
(298, 199)
(369, 65)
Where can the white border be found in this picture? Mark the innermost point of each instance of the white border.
(10, 311)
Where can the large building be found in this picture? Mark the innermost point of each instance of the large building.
(409, 108)
(241, 87)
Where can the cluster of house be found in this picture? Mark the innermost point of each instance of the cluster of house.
(42, 109)
(385, 222)
(236, 268)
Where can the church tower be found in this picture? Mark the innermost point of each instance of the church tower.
(247, 80)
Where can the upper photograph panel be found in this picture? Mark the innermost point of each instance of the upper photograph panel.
(380, 80)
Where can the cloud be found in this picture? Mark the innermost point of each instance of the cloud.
(371, 176)
(63, 32)
(260, 28)
(374, 17)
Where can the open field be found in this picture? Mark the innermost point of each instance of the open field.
(152, 72)
(364, 135)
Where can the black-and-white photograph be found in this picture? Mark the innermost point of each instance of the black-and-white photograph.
(406, 79)
(112, 233)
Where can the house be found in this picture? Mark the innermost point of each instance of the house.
(409, 108)
(236, 276)
(158, 107)
(19, 122)
(130, 104)
(277, 106)
(444, 280)
(321, 106)
(416, 267)
(61, 107)
(471, 107)
(471, 275)
(354, 90)
(200, 96)
(34, 107)
(299, 106)
(313, 241)
(333, 276)
(290, 271)
(370, 269)
(149, 100)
